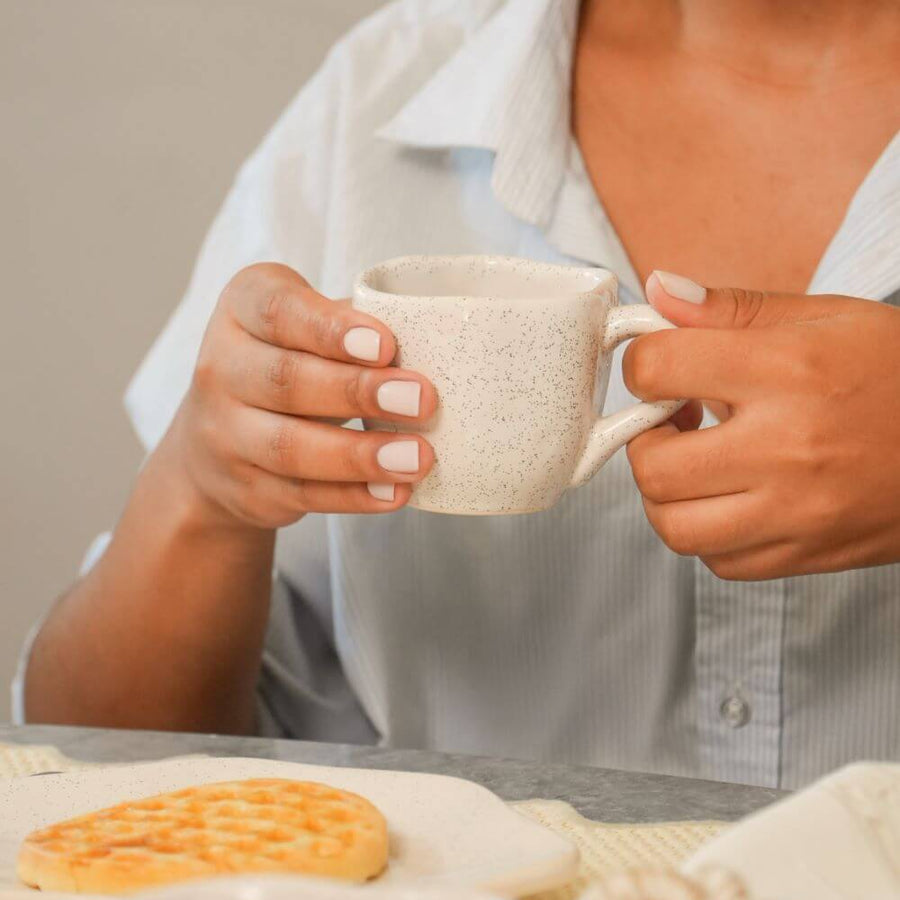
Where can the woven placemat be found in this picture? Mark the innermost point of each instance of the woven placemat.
(609, 849)
(17, 760)
(605, 849)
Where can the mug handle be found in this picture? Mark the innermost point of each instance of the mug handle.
(611, 433)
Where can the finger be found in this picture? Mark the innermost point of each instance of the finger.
(789, 557)
(278, 306)
(669, 466)
(298, 448)
(279, 501)
(698, 363)
(689, 417)
(687, 303)
(777, 559)
(290, 381)
(713, 525)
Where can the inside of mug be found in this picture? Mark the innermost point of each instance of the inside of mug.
(482, 276)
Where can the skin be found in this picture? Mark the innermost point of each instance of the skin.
(255, 445)
(166, 630)
(786, 487)
(802, 475)
(709, 126)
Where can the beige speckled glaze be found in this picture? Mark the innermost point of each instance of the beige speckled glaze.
(514, 348)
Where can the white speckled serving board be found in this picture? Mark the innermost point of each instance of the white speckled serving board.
(444, 831)
(273, 887)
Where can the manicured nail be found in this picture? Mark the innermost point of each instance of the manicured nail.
(383, 492)
(679, 287)
(363, 343)
(400, 456)
(400, 397)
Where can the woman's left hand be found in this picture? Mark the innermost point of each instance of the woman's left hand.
(803, 475)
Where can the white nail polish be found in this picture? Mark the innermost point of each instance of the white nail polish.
(400, 397)
(363, 343)
(400, 456)
(681, 288)
(383, 492)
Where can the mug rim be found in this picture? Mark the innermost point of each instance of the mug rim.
(365, 281)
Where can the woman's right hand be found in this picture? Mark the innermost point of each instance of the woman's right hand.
(279, 367)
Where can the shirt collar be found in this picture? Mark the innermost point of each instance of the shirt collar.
(863, 259)
(507, 89)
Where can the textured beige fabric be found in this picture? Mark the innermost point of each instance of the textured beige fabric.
(30, 759)
(606, 849)
(610, 849)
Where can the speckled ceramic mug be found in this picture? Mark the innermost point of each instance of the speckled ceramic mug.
(520, 353)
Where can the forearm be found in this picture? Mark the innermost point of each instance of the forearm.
(167, 630)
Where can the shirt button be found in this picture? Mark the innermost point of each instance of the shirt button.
(735, 712)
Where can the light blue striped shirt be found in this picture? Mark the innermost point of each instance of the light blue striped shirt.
(442, 126)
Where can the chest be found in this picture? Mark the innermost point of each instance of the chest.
(731, 185)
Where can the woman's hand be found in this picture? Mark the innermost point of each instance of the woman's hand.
(804, 476)
(280, 366)
(253, 447)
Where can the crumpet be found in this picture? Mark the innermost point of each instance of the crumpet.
(267, 825)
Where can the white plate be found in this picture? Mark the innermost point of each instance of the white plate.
(445, 832)
(273, 887)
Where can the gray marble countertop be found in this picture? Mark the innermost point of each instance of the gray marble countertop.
(603, 794)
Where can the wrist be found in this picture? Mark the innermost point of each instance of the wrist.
(167, 477)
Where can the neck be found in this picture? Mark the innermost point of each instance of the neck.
(792, 42)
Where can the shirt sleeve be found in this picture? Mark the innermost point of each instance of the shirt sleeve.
(275, 211)
(17, 688)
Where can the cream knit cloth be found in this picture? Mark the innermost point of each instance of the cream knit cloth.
(610, 849)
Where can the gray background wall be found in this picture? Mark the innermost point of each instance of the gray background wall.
(122, 123)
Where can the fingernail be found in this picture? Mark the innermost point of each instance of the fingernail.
(400, 456)
(679, 287)
(363, 343)
(383, 492)
(400, 397)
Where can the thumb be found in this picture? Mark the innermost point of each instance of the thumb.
(688, 304)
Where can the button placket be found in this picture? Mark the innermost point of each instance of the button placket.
(738, 660)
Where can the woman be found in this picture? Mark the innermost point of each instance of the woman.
(742, 143)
